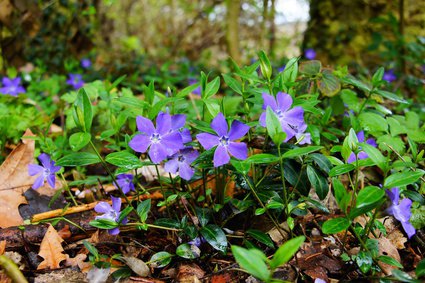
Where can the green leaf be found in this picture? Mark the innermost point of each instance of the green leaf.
(403, 276)
(364, 261)
(124, 213)
(242, 166)
(265, 66)
(103, 223)
(402, 179)
(340, 194)
(124, 159)
(188, 251)
(212, 88)
(391, 96)
(420, 269)
(189, 89)
(160, 259)
(389, 260)
(274, 128)
(251, 262)
(377, 77)
(322, 162)
(376, 156)
(373, 122)
(341, 169)
(285, 252)
(310, 68)
(143, 209)
(261, 237)
(300, 151)
(335, 225)
(318, 181)
(291, 71)
(116, 83)
(234, 84)
(82, 111)
(78, 159)
(369, 196)
(92, 249)
(79, 140)
(352, 140)
(215, 236)
(328, 84)
(212, 106)
(355, 82)
(262, 158)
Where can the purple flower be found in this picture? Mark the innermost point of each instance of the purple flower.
(12, 86)
(110, 213)
(198, 241)
(47, 171)
(177, 125)
(75, 80)
(389, 76)
(197, 90)
(401, 211)
(310, 54)
(161, 141)
(361, 155)
(281, 69)
(224, 140)
(301, 135)
(125, 181)
(290, 119)
(85, 63)
(181, 161)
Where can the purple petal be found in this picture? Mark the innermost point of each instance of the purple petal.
(171, 166)
(409, 229)
(140, 143)
(103, 207)
(185, 171)
(45, 160)
(362, 155)
(402, 213)
(16, 81)
(172, 142)
(38, 182)
(207, 140)
(34, 169)
(185, 134)
(360, 136)
(269, 100)
(51, 180)
(294, 116)
(158, 152)
(351, 158)
(6, 81)
(237, 130)
(163, 123)
(219, 125)
(116, 204)
(178, 121)
(262, 119)
(55, 169)
(371, 141)
(306, 138)
(114, 231)
(190, 154)
(394, 195)
(238, 150)
(145, 125)
(284, 101)
(290, 132)
(221, 156)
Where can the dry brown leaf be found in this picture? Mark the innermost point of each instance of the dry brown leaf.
(78, 260)
(51, 250)
(6, 10)
(2, 247)
(387, 248)
(190, 273)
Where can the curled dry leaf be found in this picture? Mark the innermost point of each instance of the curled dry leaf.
(137, 265)
(51, 250)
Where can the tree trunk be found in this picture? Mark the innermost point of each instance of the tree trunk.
(264, 31)
(232, 28)
(272, 34)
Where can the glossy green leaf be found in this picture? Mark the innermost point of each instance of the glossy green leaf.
(261, 237)
(389, 260)
(262, 158)
(402, 178)
(124, 159)
(301, 151)
(251, 262)
(82, 111)
(391, 96)
(265, 66)
(143, 209)
(340, 194)
(335, 225)
(160, 259)
(274, 128)
(234, 84)
(318, 181)
(291, 71)
(364, 261)
(212, 88)
(103, 223)
(341, 169)
(78, 159)
(310, 67)
(329, 85)
(376, 156)
(285, 252)
(79, 140)
(215, 236)
(188, 251)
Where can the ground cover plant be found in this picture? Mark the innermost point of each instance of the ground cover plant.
(301, 173)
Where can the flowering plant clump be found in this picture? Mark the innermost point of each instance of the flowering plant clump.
(12, 87)
(181, 162)
(225, 140)
(159, 142)
(110, 213)
(47, 171)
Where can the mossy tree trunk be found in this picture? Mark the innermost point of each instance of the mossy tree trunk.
(232, 28)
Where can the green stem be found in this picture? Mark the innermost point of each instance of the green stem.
(155, 226)
(284, 192)
(68, 190)
(364, 103)
(12, 270)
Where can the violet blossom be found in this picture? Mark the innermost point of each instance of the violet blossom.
(47, 171)
(160, 142)
(177, 124)
(401, 210)
(310, 54)
(111, 213)
(85, 63)
(290, 119)
(389, 76)
(300, 134)
(281, 69)
(197, 90)
(225, 140)
(361, 155)
(125, 182)
(75, 80)
(12, 86)
(181, 161)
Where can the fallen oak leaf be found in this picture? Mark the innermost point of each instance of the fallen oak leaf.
(51, 250)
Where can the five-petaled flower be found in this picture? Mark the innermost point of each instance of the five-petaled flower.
(161, 141)
(12, 86)
(111, 213)
(310, 54)
(225, 140)
(389, 76)
(181, 162)
(125, 182)
(75, 80)
(47, 171)
(291, 120)
(85, 63)
(361, 154)
(401, 210)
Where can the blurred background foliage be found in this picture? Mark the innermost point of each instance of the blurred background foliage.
(128, 36)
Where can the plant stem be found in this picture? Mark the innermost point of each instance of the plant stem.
(284, 192)
(12, 270)
(68, 190)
